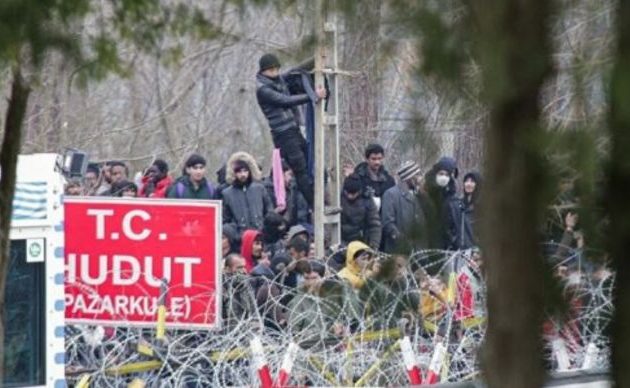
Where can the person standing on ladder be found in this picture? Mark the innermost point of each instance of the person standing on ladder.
(280, 107)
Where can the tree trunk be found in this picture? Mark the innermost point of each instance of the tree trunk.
(8, 165)
(511, 38)
(616, 199)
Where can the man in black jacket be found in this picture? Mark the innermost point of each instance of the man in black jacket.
(359, 216)
(280, 107)
(375, 179)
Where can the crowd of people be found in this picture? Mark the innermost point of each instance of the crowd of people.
(415, 211)
(268, 233)
(269, 264)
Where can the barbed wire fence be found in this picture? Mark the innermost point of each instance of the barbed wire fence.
(340, 341)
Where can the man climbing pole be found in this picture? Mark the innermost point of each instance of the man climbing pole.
(280, 107)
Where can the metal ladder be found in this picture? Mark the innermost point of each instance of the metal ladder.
(327, 218)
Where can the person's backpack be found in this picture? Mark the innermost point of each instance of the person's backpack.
(179, 189)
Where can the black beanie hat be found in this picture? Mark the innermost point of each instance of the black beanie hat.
(268, 61)
(194, 160)
(352, 184)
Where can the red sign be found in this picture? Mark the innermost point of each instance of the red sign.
(120, 252)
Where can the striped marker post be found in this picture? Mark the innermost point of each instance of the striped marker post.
(287, 366)
(415, 378)
(590, 358)
(561, 354)
(433, 376)
(260, 363)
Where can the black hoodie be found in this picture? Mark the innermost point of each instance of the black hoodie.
(442, 207)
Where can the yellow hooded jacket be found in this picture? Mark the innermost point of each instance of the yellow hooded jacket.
(352, 272)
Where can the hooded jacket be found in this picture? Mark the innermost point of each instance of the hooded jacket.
(442, 208)
(245, 206)
(352, 272)
(296, 230)
(277, 103)
(374, 187)
(247, 248)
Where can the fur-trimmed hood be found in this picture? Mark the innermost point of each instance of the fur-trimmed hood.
(255, 172)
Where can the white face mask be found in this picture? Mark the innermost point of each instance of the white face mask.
(442, 180)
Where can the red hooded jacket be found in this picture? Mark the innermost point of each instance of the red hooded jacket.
(247, 246)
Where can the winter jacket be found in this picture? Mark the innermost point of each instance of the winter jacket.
(158, 190)
(205, 190)
(274, 230)
(245, 206)
(268, 295)
(466, 215)
(278, 104)
(233, 237)
(384, 302)
(308, 324)
(247, 247)
(442, 206)
(352, 272)
(360, 221)
(404, 221)
(238, 299)
(312, 316)
(374, 187)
